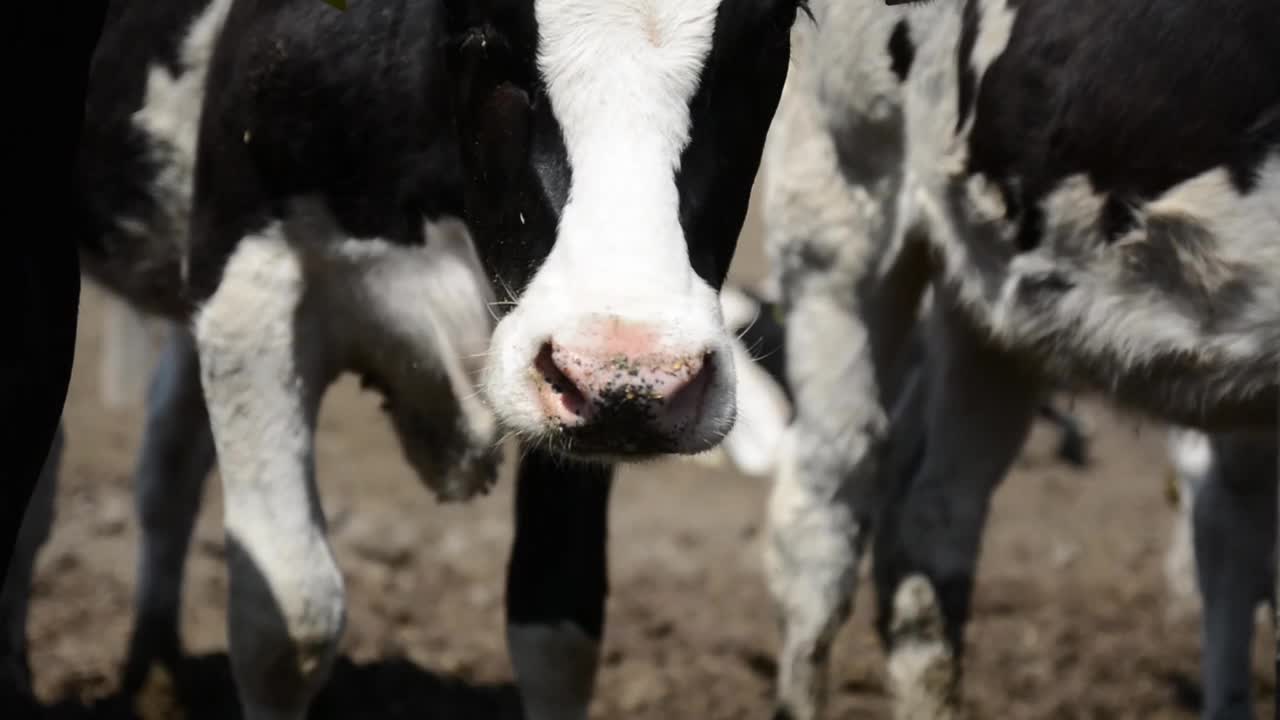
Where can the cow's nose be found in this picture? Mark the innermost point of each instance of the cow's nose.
(634, 401)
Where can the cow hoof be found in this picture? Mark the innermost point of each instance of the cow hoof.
(922, 667)
(155, 644)
(1074, 450)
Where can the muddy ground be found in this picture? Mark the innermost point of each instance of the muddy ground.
(1069, 618)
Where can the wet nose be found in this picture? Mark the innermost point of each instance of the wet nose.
(639, 398)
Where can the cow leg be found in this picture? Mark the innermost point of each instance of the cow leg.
(1073, 444)
(841, 289)
(15, 596)
(557, 581)
(1191, 457)
(1234, 515)
(177, 455)
(835, 459)
(818, 517)
(819, 521)
(264, 368)
(852, 270)
(979, 409)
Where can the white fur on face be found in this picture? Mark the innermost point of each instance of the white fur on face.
(620, 76)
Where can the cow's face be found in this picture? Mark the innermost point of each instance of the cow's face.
(610, 147)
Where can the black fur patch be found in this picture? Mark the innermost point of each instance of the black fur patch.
(558, 571)
(902, 51)
(1137, 96)
(114, 170)
(730, 115)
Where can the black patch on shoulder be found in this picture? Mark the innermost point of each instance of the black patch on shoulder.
(966, 76)
(902, 51)
(114, 168)
(1137, 96)
(347, 107)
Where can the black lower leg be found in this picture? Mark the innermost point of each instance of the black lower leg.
(558, 570)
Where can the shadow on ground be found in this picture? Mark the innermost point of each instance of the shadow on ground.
(391, 689)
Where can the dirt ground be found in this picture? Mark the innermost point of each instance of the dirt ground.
(1069, 618)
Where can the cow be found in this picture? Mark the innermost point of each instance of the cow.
(264, 175)
(1088, 190)
(42, 280)
(41, 275)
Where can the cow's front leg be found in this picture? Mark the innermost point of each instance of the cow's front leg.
(1234, 515)
(263, 369)
(820, 509)
(557, 582)
(978, 410)
(851, 278)
(176, 457)
(848, 333)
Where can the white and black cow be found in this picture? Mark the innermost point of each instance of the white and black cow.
(135, 175)
(601, 154)
(1091, 190)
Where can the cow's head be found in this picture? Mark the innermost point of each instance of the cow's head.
(610, 148)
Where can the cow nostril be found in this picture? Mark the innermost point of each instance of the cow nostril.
(689, 396)
(570, 395)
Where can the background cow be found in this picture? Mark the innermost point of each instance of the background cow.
(1087, 189)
